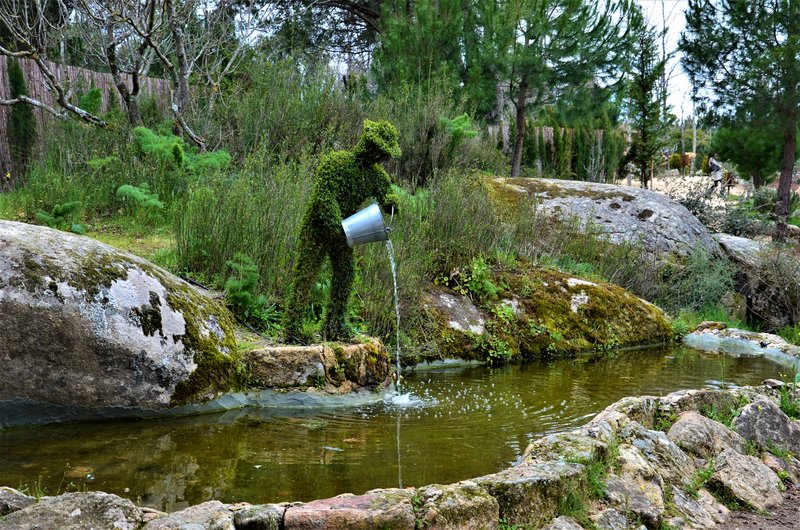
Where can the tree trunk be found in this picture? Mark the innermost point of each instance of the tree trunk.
(128, 98)
(516, 161)
(182, 81)
(499, 95)
(787, 169)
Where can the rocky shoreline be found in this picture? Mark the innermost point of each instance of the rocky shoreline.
(683, 460)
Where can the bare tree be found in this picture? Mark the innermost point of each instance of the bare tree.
(32, 26)
(198, 44)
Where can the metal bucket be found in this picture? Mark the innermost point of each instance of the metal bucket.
(365, 226)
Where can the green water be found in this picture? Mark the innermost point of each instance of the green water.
(466, 422)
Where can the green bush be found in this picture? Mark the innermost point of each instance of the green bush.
(675, 161)
(61, 217)
(241, 290)
(696, 282)
(140, 203)
(255, 212)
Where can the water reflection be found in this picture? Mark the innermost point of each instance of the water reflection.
(451, 424)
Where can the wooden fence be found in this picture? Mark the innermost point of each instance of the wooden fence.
(80, 79)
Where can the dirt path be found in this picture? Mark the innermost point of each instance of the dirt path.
(785, 517)
(679, 186)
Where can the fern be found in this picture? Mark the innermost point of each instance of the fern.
(58, 218)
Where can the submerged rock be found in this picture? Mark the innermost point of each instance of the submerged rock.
(88, 326)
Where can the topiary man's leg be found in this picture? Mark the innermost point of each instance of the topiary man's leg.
(310, 255)
(343, 264)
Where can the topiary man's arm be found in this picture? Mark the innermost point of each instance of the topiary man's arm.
(383, 189)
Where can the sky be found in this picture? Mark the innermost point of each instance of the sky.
(671, 11)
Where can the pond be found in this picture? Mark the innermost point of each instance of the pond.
(455, 423)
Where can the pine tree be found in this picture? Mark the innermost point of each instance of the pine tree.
(561, 47)
(21, 126)
(746, 52)
(646, 99)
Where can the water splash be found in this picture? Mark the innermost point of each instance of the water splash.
(390, 248)
(400, 400)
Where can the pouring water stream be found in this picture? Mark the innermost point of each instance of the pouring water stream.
(390, 248)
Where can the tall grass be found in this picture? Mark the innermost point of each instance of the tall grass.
(255, 211)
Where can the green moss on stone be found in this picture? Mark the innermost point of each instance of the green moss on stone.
(149, 316)
(220, 368)
(546, 325)
(94, 270)
(538, 188)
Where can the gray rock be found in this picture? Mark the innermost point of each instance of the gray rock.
(740, 249)
(610, 519)
(464, 505)
(624, 213)
(529, 494)
(669, 461)
(562, 446)
(388, 508)
(12, 500)
(458, 312)
(635, 496)
(764, 422)
(260, 517)
(76, 511)
(747, 479)
(783, 468)
(704, 437)
(693, 513)
(563, 523)
(718, 512)
(211, 515)
(112, 330)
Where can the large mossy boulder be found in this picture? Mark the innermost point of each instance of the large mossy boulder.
(87, 326)
(623, 213)
(541, 312)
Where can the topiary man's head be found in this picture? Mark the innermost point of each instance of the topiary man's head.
(378, 141)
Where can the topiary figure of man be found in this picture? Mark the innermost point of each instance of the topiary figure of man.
(344, 180)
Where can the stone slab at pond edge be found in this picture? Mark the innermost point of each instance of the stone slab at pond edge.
(643, 474)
